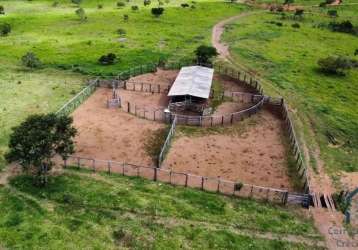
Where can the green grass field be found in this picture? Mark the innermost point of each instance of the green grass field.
(64, 44)
(287, 57)
(82, 211)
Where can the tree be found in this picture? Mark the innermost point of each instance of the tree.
(121, 4)
(332, 13)
(107, 59)
(288, 2)
(35, 142)
(299, 13)
(2, 10)
(135, 8)
(5, 29)
(205, 53)
(125, 17)
(146, 2)
(81, 14)
(335, 64)
(30, 60)
(157, 12)
(77, 2)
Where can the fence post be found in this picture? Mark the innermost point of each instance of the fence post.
(124, 164)
(94, 165)
(65, 163)
(78, 162)
(170, 177)
(218, 188)
(186, 180)
(202, 183)
(155, 174)
(109, 167)
(285, 197)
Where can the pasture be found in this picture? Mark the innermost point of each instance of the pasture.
(325, 106)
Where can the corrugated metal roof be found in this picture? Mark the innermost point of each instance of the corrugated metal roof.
(193, 81)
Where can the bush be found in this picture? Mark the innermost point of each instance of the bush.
(299, 13)
(81, 14)
(125, 17)
(121, 32)
(146, 2)
(157, 12)
(77, 2)
(356, 52)
(107, 59)
(2, 10)
(5, 29)
(345, 27)
(335, 65)
(332, 13)
(30, 60)
(296, 25)
(184, 5)
(100, 6)
(205, 53)
(121, 4)
(135, 8)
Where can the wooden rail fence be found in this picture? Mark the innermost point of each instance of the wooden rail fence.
(210, 184)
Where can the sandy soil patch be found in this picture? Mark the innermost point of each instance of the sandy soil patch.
(111, 134)
(231, 85)
(231, 107)
(162, 77)
(257, 156)
(144, 99)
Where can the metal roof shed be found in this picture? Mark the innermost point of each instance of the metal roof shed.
(193, 81)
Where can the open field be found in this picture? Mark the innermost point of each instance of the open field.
(80, 209)
(287, 57)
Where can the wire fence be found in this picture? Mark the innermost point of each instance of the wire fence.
(165, 148)
(210, 184)
(78, 99)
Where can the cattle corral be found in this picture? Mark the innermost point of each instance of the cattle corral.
(256, 156)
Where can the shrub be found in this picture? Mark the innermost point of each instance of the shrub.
(157, 12)
(100, 6)
(205, 53)
(30, 60)
(77, 2)
(2, 10)
(160, 3)
(288, 2)
(330, 1)
(184, 5)
(5, 29)
(135, 8)
(295, 25)
(332, 13)
(299, 13)
(55, 4)
(121, 4)
(335, 64)
(345, 27)
(356, 52)
(107, 59)
(121, 32)
(146, 2)
(81, 14)
(125, 17)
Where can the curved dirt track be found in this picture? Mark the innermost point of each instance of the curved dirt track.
(324, 219)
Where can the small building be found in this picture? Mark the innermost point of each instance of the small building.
(191, 89)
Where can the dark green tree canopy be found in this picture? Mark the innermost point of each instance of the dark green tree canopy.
(205, 53)
(38, 139)
(157, 12)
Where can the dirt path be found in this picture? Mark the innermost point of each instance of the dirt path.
(321, 182)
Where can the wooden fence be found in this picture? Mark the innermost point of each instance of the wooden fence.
(146, 87)
(210, 184)
(168, 140)
(78, 99)
(301, 167)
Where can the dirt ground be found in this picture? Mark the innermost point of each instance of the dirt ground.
(257, 156)
(231, 107)
(144, 99)
(111, 134)
(161, 77)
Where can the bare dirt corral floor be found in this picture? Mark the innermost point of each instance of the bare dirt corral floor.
(257, 155)
(111, 134)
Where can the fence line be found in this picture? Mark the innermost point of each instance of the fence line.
(146, 87)
(166, 145)
(210, 184)
(78, 99)
(301, 167)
